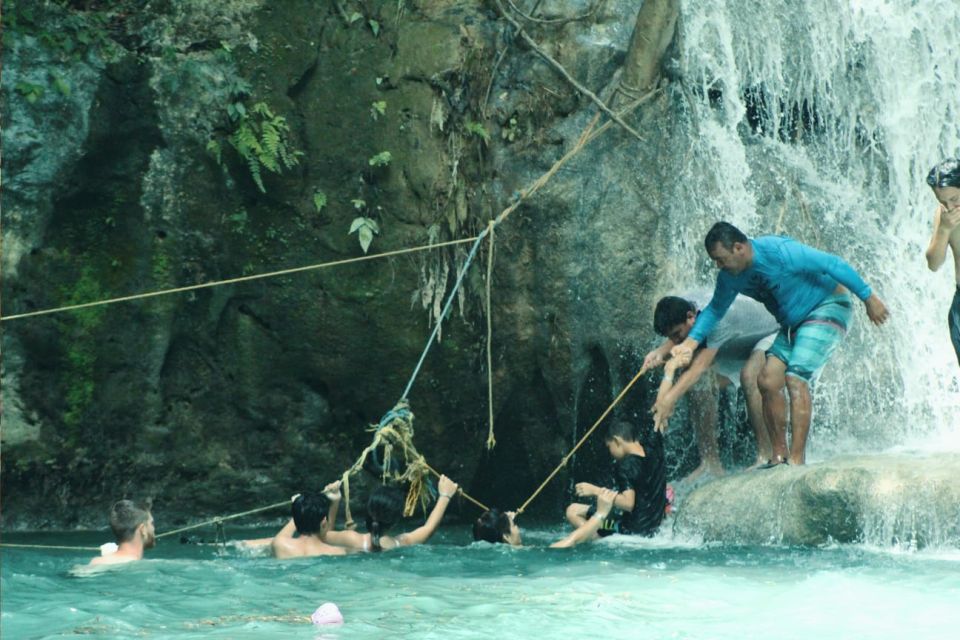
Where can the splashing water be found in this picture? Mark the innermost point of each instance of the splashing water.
(821, 122)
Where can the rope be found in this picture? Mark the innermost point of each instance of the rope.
(586, 137)
(217, 283)
(47, 546)
(491, 440)
(589, 432)
(446, 309)
(218, 521)
(460, 491)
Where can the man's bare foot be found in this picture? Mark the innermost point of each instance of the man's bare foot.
(715, 470)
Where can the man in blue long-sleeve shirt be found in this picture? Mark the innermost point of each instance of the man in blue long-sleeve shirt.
(807, 291)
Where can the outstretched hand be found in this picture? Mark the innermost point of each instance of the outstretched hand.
(652, 359)
(332, 490)
(876, 310)
(446, 486)
(681, 354)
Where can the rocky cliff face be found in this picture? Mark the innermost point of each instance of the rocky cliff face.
(225, 398)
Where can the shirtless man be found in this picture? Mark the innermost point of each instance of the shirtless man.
(132, 526)
(945, 181)
(312, 515)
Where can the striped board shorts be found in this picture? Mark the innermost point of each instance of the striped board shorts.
(806, 347)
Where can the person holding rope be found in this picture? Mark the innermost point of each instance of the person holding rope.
(733, 354)
(132, 525)
(311, 515)
(384, 509)
(640, 501)
(808, 292)
(497, 526)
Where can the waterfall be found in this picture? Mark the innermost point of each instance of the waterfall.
(820, 120)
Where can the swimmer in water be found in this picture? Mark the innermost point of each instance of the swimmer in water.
(132, 525)
(384, 509)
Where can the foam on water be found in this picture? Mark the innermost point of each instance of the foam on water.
(454, 589)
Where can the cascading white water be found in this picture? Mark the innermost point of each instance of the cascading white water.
(820, 119)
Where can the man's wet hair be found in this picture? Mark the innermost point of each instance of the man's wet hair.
(126, 516)
(945, 174)
(725, 234)
(670, 312)
(622, 429)
(308, 511)
(384, 509)
(491, 526)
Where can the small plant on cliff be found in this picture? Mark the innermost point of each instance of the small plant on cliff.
(382, 159)
(365, 228)
(261, 138)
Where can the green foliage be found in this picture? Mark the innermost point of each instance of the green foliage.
(63, 28)
(354, 17)
(374, 27)
(382, 159)
(365, 228)
(358, 203)
(31, 92)
(378, 108)
(262, 140)
(478, 130)
(319, 200)
(81, 354)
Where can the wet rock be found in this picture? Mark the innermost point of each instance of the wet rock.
(883, 500)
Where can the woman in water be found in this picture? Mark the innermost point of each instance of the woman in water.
(384, 509)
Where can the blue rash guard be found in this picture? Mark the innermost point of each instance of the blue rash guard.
(788, 277)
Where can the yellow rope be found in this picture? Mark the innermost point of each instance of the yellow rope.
(419, 462)
(47, 546)
(491, 440)
(589, 432)
(258, 276)
(215, 521)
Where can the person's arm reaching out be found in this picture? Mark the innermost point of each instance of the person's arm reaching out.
(723, 297)
(670, 392)
(588, 530)
(446, 489)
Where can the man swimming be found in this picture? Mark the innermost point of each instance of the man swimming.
(807, 291)
(132, 526)
(944, 179)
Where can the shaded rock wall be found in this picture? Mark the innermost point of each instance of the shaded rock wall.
(222, 399)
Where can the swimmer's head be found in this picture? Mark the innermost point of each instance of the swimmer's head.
(131, 520)
(497, 526)
(728, 247)
(945, 174)
(945, 181)
(384, 509)
(619, 434)
(309, 512)
(674, 317)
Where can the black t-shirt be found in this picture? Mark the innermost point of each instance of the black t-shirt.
(647, 476)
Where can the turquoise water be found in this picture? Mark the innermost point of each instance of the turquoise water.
(451, 588)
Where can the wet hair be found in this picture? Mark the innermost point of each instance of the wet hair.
(491, 526)
(670, 312)
(126, 516)
(945, 174)
(725, 234)
(308, 511)
(622, 429)
(384, 508)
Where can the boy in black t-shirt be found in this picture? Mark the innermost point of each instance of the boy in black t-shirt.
(641, 498)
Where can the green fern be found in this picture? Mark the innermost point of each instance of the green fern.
(262, 140)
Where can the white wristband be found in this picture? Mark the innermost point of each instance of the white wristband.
(446, 495)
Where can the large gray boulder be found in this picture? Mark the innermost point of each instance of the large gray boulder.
(883, 499)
